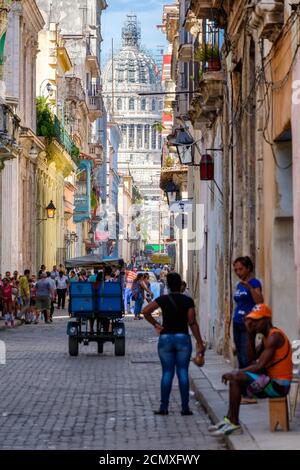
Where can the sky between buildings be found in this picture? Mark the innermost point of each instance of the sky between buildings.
(149, 13)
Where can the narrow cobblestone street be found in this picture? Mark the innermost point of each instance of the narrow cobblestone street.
(50, 400)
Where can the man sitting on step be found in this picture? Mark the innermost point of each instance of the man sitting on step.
(269, 376)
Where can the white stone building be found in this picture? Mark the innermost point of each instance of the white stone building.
(130, 72)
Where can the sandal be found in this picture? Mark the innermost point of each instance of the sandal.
(248, 401)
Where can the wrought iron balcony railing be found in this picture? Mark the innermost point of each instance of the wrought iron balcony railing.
(62, 136)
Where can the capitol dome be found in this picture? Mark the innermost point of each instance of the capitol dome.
(131, 65)
(132, 95)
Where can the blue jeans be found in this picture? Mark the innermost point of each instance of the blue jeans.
(127, 297)
(240, 338)
(174, 350)
(138, 304)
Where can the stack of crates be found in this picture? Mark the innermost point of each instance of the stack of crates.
(110, 300)
(82, 299)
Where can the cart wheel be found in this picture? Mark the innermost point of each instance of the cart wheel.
(73, 346)
(120, 347)
(100, 347)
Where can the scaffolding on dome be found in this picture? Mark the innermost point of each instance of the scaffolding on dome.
(131, 32)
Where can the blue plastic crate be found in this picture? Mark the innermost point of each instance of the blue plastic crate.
(107, 289)
(82, 304)
(81, 289)
(109, 304)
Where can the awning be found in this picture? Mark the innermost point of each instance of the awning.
(93, 261)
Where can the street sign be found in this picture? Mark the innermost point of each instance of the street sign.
(185, 205)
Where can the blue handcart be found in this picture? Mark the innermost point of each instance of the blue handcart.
(97, 315)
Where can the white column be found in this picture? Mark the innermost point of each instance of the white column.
(127, 136)
(135, 137)
(10, 217)
(150, 137)
(12, 46)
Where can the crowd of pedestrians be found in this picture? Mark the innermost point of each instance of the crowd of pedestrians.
(31, 298)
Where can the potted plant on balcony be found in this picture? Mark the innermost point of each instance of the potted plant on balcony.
(209, 53)
(169, 162)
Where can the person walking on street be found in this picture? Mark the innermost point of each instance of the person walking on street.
(129, 279)
(52, 280)
(44, 294)
(148, 292)
(174, 344)
(7, 301)
(54, 273)
(62, 287)
(269, 376)
(25, 295)
(33, 311)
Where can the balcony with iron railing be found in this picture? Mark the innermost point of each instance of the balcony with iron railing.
(208, 76)
(95, 107)
(9, 133)
(185, 51)
(74, 89)
(92, 61)
(94, 89)
(64, 139)
(96, 151)
(208, 47)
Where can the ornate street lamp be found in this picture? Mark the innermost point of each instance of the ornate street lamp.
(185, 146)
(74, 237)
(91, 235)
(51, 209)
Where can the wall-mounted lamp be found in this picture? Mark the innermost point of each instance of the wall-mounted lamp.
(74, 237)
(51, 209)
(91, 235)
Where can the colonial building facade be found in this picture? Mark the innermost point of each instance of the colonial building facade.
(241, 64)
(19, 176)
(41, 157)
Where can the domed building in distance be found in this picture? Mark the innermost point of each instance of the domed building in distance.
(130, 72)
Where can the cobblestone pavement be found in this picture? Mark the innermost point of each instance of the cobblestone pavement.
(50, 400)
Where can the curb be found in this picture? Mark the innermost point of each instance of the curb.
(216, 408)
(4, 327)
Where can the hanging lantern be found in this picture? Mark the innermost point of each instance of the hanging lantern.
(51, 210)
(207, 168)
(185, 147)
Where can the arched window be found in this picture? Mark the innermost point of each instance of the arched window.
(143, 104)
(119, 104)
(153, 105)
(131, 104)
